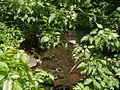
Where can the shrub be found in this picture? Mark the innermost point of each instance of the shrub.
(98, 54)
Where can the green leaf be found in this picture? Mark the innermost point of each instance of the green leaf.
(45, 39)
(94, 71)
(91, 46)
(107, 71)
(7, 85)
(1, 77)
(97, 40)
(15, 76)
(101, 32)
(91, 39)
(86, 88)
(99, 26)
(117, 43)
(96, 84)
(88, 3)
(52, 16)
(85, 38)
(87, 81)
(29, 9)
(82, 65)
(118, 9)
(93, 32)
(17, 86)
(80, 85)
(115, 35)
(3, 66)
(81, 10)
(89, 70)
(103, 62)
(102, 84)
(117, 74)
(102, 73)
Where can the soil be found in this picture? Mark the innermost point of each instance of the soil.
(59, 62)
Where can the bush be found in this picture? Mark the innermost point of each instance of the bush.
(15, 74)
(98, 54)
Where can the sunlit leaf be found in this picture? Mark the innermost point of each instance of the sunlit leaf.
(15, 76)
(52, 16)
(7, 85)
(3, 66)
(118, 8)
(82, 64)
(45, 39)
(1, 77)
(87, 81)
(96, 84)
(89, 70)
(107, 71)
(117, 74)
(84, 38)
(17, 86)
(103, 62)
(99, 26)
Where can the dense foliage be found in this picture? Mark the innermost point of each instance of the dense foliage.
(48, 20)
(15, 74)
(99, 57)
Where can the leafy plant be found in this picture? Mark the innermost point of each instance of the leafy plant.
(99, 57)
(15, 74)
(48, 21)
(10, 36)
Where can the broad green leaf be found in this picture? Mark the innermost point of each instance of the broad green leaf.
(97, 40)
(101, 32)
(103, 84)
(55, 44)
(3, 66)
(40, 80)
(81, 10)
(89, 70)
(87, 81)
(107, 71)
(15, 76)
(117, 43)
(91, 46)
(17, 86)
(103, 62)
(115, 35)
(86, 88)
(93, 32)
(82, 64)
(91, 39)
(7, 85)
(102, 73)
(45, 39)
(117, 74)
(88, 3)
(1, 77)
(29, 9)
(97, 85)
(94, 71)
(99, 26)
(118, 8)
(52, 16)
(85, 38)
(98, 78)
(81, 85)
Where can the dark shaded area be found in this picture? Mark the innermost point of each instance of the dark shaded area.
(32, 45)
